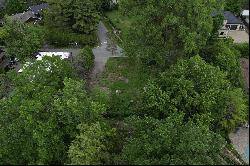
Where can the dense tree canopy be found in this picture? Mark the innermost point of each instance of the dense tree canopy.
(167, 29)
(195, 87)
(38, 120)
(92, 145)
(170, 141)
(80, 15)
(223, 54)
(235, 6)
(21, 40)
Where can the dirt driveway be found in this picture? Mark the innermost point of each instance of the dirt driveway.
(239, 36)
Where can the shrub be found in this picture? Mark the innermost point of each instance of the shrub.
(62, 37)
(87, 58)
(243, 48)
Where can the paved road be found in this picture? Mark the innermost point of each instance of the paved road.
(104, 51)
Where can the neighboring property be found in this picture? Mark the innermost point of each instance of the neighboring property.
(245, 70)
(40, 55)
(231, 23)
(25, 17)
(37, 9)
(62, 55)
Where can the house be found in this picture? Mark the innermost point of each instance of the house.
(230, 23)
(25, 17)
(37, 9)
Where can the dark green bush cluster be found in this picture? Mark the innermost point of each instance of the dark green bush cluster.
(243, 48)
(60, 37)
(87, 58)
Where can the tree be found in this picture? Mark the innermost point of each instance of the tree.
(87, 58)
(15, 6)
(166, 29)
(195, 87)
(91, 146)
(170, 141)
(78, 15)
(223, 54)
(235, 6)
(21, 40)
(5, 85)
(38, 120)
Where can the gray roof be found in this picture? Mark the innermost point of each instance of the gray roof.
(38, 8)
(23, 17)
(231, 18)
(2, 3)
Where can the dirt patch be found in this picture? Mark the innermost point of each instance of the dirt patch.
(245, 69)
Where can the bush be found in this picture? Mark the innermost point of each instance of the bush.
(62, 37)
(243, 48)
(87, 58)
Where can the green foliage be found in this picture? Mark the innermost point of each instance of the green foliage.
(91, 146)
(167, 29)
(62, 37)
(79, 15)
(235, 6)
(15, 6)
(217, 24)
(38, 120)
(86, 58)
(170, 142)
(243, 48)
(223, 54)
(195, 87)
(5, 85)
(21, 40)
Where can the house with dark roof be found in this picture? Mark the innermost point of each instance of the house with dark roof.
(37, 9)
(24, 17)
(230, 23)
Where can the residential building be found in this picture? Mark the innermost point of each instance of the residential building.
(230, 23)
(37, 9)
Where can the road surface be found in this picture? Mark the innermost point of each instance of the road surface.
(104, 51)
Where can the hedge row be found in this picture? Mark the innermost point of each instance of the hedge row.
(59, 37)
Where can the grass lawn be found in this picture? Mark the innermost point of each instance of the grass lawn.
(122, 83)
(118, 21)
(121, 22)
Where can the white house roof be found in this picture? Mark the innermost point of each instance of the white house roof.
(40, 55)
(62, 55)
(245, 13)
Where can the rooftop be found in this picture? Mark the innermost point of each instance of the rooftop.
(245, 69)
(231, 18)
(23, 17)
(62, 55)
(38, 8)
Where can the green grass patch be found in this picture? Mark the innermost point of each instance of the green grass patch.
(122, 23)
(123, 81)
